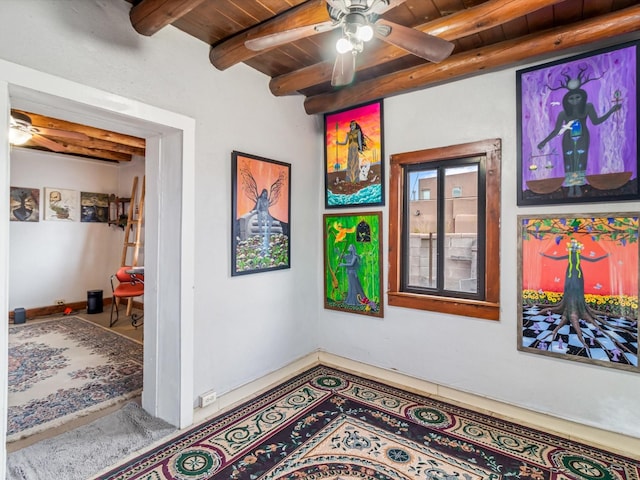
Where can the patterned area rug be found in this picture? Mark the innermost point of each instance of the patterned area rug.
(326, 424)
(64, 368)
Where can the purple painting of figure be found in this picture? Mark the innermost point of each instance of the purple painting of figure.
(577, 121)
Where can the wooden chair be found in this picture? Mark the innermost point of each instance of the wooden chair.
(130, 285)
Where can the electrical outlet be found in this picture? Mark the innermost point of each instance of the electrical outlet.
(60, 302)
(208, 398)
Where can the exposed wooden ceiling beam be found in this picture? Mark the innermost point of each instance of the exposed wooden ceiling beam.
(48, 122)
(150, 16)
(481, 59)
(86, 152)
(104, 145)
(232, 51)
(460, 24)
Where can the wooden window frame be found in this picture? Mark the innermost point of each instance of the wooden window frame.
(489, 308)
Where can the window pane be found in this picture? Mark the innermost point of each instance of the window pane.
(454, 266)
(461, 223)
(423, 229)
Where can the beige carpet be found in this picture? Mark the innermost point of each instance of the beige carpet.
(80, 453)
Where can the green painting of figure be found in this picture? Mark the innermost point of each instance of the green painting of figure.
(353, 259)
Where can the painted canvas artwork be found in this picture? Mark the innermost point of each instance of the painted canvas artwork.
(24, 204)
(94, 207)
(261, 209)
(578, 128)
(354, 163)
(579, 288)
(353, 263)
(61, 204)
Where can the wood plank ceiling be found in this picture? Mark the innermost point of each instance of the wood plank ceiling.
(488, 34)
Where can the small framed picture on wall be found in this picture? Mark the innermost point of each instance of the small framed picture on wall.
(61, 204)
(24, 204)
(94, 207)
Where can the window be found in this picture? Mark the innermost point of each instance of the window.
(444, 249)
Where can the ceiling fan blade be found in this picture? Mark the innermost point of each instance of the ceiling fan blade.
(344, 69)
(45, 142)
(54, 132)
(338, 5)
(286, 36)
(434, 49)
(380, 6)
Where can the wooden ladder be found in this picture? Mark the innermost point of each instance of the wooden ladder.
(134, 222)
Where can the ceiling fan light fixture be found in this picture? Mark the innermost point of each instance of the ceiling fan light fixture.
(343, 45)
(364, 33)
(18, 136)
(20, 129)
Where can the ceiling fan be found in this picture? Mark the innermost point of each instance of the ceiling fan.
(360, 22)
(21, 130)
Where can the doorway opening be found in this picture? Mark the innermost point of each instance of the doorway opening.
(68, 362)
(168, 365)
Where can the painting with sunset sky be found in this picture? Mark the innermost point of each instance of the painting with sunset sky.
(260, 230)
(354, 156)
(578, 284)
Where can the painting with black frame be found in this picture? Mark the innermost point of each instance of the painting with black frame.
(354, 156)
(578, 128)
(261, 213)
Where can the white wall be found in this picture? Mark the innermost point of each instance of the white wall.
(244, 326)
(53, 260)
(480, 356)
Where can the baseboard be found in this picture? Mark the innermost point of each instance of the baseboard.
(611, 441)
(50, 310)
(253, 389)
(59, 309)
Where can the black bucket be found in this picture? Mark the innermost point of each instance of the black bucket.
(94, 301)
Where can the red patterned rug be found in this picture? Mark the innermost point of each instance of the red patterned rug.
(330, 425)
